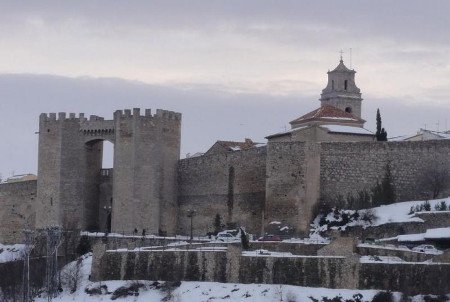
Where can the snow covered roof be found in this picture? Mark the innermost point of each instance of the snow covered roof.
(21, 177)
(236, 146)
(439, 233)
(411, 238)
(422, 135)
(347, 129)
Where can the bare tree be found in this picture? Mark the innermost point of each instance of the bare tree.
(71, 274)
(435, 178)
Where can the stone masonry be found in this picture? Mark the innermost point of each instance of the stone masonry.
(146, 151)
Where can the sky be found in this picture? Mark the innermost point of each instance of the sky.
(234, 69)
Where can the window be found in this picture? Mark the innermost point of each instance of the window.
(348, 109)
(332, 84)
(345, 85)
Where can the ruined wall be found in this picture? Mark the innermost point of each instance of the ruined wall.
(231, 185)
(347, 168)
(292, 185)
(17, 201)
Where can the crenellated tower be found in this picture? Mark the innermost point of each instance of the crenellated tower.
(146, 152)
(341, 90)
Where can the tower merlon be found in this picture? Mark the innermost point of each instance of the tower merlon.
(168, 114)
(96, 118)
(61, 116)
(147, 113)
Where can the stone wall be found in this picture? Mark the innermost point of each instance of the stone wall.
(231, 185)
(411, 279)
(11, 278)
(232, 266)
(167, 266)
(292, 185)
(314, 133)
(146, 152)
(17, 201)
(348, 168)
(310, 271)
(406, 255)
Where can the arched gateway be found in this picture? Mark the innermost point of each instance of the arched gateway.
(73, 191)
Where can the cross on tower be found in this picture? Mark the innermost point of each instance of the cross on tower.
(341, 52)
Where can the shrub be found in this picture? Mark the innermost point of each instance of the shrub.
(368, 215)
(383, 297)
(442, 206)
(124, 291)
(244, 240)
(84, 246)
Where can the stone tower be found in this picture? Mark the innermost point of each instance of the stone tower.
(341, 91)
(146, 152)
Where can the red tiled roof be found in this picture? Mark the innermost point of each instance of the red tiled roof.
(325, 112)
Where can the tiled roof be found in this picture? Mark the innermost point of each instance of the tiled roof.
(234, 146)
(327, 112)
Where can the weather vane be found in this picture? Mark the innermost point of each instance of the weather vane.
(341, 52)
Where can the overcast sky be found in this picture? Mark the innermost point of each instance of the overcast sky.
(234, 69)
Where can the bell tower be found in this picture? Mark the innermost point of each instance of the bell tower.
(341, 90)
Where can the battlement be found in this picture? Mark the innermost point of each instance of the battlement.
(160, 113)
(62, 116)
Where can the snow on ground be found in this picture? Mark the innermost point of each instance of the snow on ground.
(438, 233)
(117, 235)
(11, 252)
(393, 213)
(312, 239)
(385, 247)
(411, 238)
(151, 291)
(380, 259)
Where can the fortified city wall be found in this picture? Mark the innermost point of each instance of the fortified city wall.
(17, 202)
(348, 168)
(231, 185)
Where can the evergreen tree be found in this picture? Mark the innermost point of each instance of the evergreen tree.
(377, 134)
(244, 240)
(381, 134)
(387, 186)
(384, 192)
(217, 224)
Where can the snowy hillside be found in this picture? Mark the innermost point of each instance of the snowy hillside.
(393, 213)
(11, 252)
